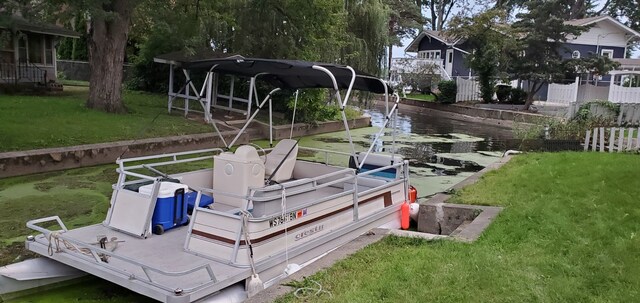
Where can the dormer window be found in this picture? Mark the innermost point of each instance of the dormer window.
(575, 54)
(607, 53)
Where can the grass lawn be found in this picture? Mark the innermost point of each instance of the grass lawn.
(421, 97)
(31, 122)
(570, 232)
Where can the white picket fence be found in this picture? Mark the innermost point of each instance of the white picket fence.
(618, 139)
(621, 94)
(629, 113)
(590, 92)
(468, 89)
(562, 93)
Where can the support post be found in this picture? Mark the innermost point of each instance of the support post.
(252, 83)
(188, 93)
(233, 81)
(207, 109)
(575, 91)
(610, 95)
(170, 100)
(216, 79)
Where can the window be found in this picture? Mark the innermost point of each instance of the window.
(429, 54)
(36, 48)
(48, 50)
(607, 53)
(22, 49)
(450, 59)
(575, 54)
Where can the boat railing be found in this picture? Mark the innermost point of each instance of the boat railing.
(326, 152)
(350, 174)
(98, 256)
(175, 158)
(404, 164)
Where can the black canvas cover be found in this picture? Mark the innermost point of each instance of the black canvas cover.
(291, 74)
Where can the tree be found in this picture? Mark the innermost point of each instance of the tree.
(487, 40)
(405, 19)
(626, 10)
(419, 75)
(108, 30)
(539, 36)
(571, 9)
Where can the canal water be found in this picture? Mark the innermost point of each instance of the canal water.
(441, 150)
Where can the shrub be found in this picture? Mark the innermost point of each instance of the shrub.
(312, 107)
(503, 93)
(518, 96)
(448, 90)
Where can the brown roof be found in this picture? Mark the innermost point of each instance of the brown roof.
(24, 25)
(442, 36)
(584, 21)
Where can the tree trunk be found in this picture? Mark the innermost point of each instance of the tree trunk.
(533, 89)
(107, 42)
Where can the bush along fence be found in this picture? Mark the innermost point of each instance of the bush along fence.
(622, 114)
(612, 139)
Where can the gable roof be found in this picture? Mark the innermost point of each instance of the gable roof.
(22, 24)
(596, 19)
(438, 35)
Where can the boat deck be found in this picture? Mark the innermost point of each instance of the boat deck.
(163, 252)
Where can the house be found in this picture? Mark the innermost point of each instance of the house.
(28, 51)
(442, 50)
(605, 36)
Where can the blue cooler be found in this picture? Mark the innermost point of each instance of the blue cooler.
(171, 206)
(191, 200)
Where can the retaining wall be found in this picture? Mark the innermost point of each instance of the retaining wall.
(486, 113)
(52, 159)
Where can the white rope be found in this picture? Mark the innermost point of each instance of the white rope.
(54, 237)
(247, 240)
(283, 205)
(318, 291)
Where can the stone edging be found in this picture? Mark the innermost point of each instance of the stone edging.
(485, 113)
(51, 159)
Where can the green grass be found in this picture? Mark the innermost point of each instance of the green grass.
(421, 97)
(570, 232)
(31, 122)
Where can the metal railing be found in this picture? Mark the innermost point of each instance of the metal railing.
(22, 72)
(96, 255)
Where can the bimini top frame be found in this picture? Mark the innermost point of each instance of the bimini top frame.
(295, 74)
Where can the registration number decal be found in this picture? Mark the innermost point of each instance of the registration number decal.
(279, 220)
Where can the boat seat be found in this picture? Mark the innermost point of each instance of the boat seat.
(277, 155)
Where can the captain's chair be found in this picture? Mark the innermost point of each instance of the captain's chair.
(277, 155)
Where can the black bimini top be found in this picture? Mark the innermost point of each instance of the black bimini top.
(292, 74)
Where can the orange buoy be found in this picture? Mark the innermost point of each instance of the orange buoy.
(404, 215)
(413, 194)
